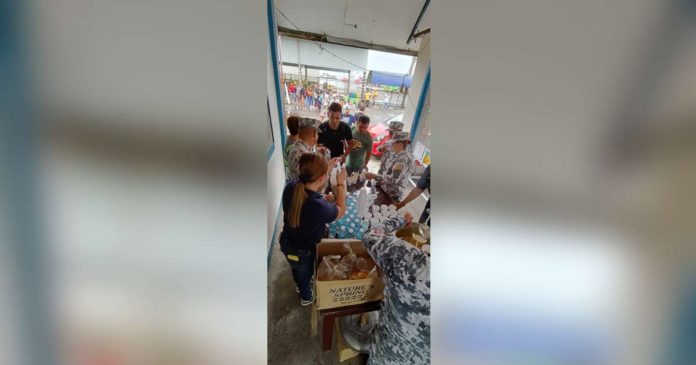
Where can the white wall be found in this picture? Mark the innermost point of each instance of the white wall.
(276, 168)
(417, 83)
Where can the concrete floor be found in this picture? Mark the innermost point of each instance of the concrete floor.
(289, 324)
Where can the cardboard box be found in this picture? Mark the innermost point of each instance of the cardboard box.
(342, 293)
(343, 351)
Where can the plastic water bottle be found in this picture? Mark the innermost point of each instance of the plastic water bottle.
(351, 233)
(342, 233)
(332, 231)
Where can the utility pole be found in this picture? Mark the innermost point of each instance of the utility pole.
(363, 87)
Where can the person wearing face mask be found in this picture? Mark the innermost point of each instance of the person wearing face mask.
(306, 141)
(305, 215)
(385, 149)
(398, 170)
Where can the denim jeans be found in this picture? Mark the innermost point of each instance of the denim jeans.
(302, 269)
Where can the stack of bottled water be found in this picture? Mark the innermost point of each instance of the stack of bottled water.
(353, 224)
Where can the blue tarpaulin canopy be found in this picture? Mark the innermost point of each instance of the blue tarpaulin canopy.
(387, 79)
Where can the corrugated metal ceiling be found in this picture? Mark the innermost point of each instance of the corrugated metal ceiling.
(349, 58)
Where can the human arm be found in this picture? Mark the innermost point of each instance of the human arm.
(388, 251)
(340, 190)
(347, 137)
(415, 192)
(368, 154)
(422, 184)
(396, 177)
(372, 175)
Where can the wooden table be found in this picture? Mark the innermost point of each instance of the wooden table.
(328, 317)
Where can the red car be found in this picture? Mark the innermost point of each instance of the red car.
(380, 133)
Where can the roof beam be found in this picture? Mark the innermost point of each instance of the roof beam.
(421, 33)
(299, 34)
(415, 26)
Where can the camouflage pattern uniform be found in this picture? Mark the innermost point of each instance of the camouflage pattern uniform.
(299, 148)
(394, 127)
(386, 155)
(398, 170)
(402, 335)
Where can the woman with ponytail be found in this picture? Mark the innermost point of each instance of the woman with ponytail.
(306, 214)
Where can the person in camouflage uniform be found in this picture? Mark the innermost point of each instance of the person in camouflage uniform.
(306, 142)
(402, 334)
(398, 169)
(294, 129)
(394, 127)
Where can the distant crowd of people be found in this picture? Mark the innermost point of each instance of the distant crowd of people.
(314, 96)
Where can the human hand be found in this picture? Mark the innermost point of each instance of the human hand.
(370, 175)
(341, 177)
(330, 197)
(333, 162)
(408, 218)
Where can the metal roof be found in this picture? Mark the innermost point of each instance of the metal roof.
(308, 53)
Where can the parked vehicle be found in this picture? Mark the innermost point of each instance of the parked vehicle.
(380, 133)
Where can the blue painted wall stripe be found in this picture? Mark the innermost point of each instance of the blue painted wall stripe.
(270, 152)
(421, 103)
(273, 36)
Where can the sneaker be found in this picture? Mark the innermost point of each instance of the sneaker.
(305, 303)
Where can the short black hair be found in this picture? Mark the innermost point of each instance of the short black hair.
(335, 107)
(294, 125)
(363, 119)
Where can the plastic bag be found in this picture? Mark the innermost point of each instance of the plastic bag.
(373, 273)
(349, 259)
(330, 269)
(360, 264)
(359, 270)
